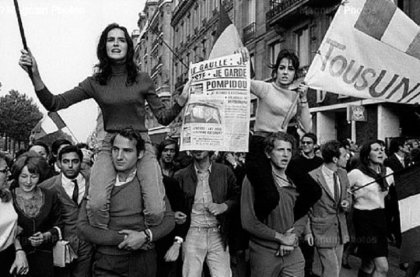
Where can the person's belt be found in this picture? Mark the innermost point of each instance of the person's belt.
(206, 228)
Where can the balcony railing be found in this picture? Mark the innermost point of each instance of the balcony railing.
(249, 32)
(155, 43)
(280, 6)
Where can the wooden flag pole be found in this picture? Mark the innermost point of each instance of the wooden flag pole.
(22, 31)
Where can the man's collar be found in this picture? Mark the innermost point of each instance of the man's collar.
(129, 178)
(65, 180)
(399, 157)
(327, 171)
(306, 156)
(198, 170)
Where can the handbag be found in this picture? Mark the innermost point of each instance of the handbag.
(63, 254)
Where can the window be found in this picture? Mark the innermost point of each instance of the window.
(274, 50)
(204, 49)
(203, 10)
(181, 33)
(251, 11)
(188, 24)
(302, 46)
(177, 40)
(252, 59)
(253, 107)
(199, 14)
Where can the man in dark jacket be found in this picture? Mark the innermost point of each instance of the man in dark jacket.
(71, 185)
(211, 192)
(397, 161)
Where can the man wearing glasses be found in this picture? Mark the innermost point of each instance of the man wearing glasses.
(307, 161)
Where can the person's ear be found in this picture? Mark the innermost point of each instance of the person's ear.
(141, 154)
(335, 160)
(267, 154)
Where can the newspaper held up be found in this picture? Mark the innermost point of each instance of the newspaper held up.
(216, 117)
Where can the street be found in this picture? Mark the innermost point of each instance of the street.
(394, 270)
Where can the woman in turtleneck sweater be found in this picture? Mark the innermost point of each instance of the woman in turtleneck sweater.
(121, 91)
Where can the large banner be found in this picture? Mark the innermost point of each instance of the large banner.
(216, 117)
(371, 50)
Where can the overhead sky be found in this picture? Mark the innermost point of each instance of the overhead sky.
(62, 35)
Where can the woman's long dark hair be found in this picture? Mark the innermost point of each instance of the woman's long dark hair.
(364, 165)
(104, 66)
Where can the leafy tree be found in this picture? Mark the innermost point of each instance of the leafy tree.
(18, 115)
(50, 138)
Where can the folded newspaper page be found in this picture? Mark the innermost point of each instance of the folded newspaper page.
(216, 117)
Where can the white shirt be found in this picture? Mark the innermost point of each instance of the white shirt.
(130, 178)
(370, 197)
(8, 224)
(401, 159)
(200, 215)
(329, 179)
(68, 186)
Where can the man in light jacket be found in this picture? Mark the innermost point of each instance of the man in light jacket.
(327, 218)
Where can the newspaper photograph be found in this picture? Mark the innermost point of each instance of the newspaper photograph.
(216, 117)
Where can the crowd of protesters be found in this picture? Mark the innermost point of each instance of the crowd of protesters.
(210, 226)
(140, 210)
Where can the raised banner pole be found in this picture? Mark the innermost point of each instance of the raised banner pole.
(22, 31)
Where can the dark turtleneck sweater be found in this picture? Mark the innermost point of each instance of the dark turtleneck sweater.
(122, 105)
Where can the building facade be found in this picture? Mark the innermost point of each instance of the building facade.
(153, 55)
(300, 25)
(194, 24)
(173, 35)
(266, 27)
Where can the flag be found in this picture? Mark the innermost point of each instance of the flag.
(407, 185)
(58, 121)
(227, 39)
(386, 26)
(48, 124)
(370, 51)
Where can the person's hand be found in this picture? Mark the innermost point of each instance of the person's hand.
(173, 252)
(244, 52)
(183, 97)
(36, 239)
(216, 209)
(28, 62)
(289, 238)
(284, 250)
(309, 238)
(133, 240)
(302, 89)
(180, 217)
(20, 265)
(231, 159)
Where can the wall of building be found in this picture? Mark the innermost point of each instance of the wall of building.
(189, 28)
